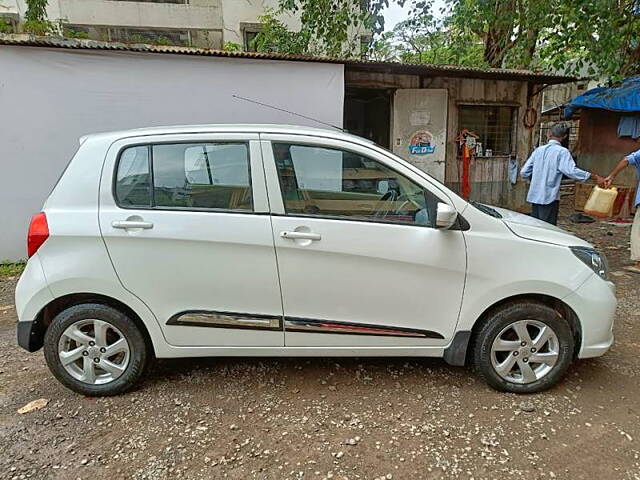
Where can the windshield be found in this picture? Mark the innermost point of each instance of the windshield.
(485, 209)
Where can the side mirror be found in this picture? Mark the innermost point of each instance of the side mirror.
(446, 216)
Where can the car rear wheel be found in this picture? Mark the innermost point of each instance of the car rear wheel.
(95, 350)
(524, 347)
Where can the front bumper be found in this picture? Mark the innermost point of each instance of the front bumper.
(595, 305)
(30, 335)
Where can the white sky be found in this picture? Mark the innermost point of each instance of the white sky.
(395, 14)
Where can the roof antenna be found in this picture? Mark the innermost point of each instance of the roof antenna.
(289, 112)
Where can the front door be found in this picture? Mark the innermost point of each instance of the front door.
(185, 220)
(420, 128)
(359, 259)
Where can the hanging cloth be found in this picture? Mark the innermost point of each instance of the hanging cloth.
(466, 163)
(513, 170)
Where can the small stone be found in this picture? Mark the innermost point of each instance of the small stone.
(527, 407)
(33, 406)
(339, 454)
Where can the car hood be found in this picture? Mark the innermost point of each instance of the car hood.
(533, 229)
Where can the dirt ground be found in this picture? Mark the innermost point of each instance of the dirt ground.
(331, 418)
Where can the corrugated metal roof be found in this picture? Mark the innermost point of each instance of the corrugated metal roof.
(354, 64)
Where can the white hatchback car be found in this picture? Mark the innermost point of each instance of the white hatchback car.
(264, 240)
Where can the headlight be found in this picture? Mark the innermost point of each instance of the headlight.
(593, 259)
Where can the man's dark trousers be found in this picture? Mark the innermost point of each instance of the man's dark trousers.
(546, 213)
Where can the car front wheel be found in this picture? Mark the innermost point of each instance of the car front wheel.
(95, 350)
(524, 347)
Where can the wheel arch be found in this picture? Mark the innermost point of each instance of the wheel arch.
(457, 352)
(563, 310)
(53, 308)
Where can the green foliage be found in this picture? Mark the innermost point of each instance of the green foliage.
(163, 41)
(136, 38)
(508, 29)
(40, 28)
(328, 27)
(337, 27)
(427, 39)
(232, 47)
(383, 48)
(5, 26)
(596, 38)
(275, 36)
(71, 32)
(36, 21)
(8, 269)
(36, 10)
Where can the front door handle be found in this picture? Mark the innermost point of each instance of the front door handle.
(301, 235)
(132, 224)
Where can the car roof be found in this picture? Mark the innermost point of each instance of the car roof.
(227, 128)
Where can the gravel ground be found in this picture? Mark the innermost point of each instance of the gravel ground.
(330, 418)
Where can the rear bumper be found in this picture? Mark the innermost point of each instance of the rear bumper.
(30, 335)
(595, 305)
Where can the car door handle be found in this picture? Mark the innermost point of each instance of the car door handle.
(301, 235)
(132, 224)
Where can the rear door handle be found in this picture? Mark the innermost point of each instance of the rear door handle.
(301, 235)
(132, 224)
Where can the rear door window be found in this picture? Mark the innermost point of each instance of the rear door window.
(191, 176)
(202, 176)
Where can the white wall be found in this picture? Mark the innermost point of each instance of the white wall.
(51, 97)
(142, 14)
(9, 7)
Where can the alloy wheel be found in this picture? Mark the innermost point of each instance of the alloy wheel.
(93, 351)
(525, 351)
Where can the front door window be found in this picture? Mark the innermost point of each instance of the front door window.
(326, 182)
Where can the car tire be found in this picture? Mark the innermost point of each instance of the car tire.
(507, 356)
(92, 332)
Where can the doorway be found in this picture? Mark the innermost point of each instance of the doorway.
(367, 113)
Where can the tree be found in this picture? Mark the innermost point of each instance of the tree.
(509, 29)
(383, 48)
(328, 27)
(427, 39)
(596, 38)
(36, 18)
(599, 38)
(275, 36)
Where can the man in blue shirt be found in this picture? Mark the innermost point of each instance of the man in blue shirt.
(545, 168)
(631, 159)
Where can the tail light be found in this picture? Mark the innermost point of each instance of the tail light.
(38, 233)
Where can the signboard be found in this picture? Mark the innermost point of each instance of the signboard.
(421, 143)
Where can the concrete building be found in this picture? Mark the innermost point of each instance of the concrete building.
(194, 23)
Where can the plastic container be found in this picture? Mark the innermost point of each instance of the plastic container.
(600, 203)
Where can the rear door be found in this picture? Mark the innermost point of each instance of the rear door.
(185, 220)
(360, 262)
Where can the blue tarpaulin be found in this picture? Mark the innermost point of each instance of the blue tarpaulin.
(624, 98)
